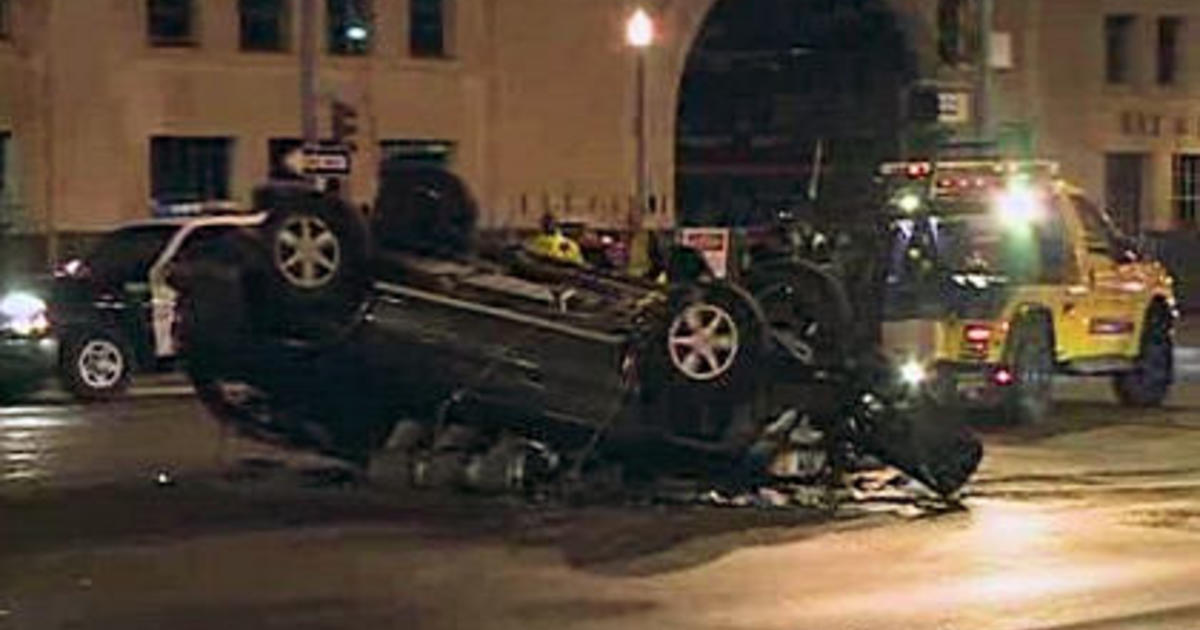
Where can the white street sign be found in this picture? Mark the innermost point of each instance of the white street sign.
(318, 161)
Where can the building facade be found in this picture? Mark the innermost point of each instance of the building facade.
(1112, 90)
(107, 108)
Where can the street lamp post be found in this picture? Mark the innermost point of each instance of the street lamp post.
(983, 70)
(308, 72)
(639, 34)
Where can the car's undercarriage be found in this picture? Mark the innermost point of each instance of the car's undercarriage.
(409, 345)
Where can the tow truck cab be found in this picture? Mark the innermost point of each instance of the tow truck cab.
(1000, 274)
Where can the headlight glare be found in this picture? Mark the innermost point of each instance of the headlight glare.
(23, 313)
(912, 373)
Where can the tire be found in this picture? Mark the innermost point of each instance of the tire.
(1149, 382)
(705, 359)
(95, 365)
(421, 209)
(805, 319)
(316, 258)
(1031, 358)
(712, 341)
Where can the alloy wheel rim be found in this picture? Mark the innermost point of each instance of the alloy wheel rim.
(307, 252)
(101, 364)
(703, 342)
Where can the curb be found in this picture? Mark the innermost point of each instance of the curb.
(157, 388)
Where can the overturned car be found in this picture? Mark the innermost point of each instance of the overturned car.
(319, 328)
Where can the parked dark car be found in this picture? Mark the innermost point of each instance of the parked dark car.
(112, 310)
(320, 330)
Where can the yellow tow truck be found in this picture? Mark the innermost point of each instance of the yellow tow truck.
(1001, 275)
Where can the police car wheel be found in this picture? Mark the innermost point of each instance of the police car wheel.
(1032, 360)
(95, 365)
(1149, 382)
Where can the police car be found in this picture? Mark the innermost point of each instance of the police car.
(112, 310)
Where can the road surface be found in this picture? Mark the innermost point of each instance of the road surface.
(1089, 522)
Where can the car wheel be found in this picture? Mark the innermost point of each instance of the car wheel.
(706, 359)
(95, 365)
(804, 322)
(1031, 358)
(317, 248)
(712, 340)
(1149, 382)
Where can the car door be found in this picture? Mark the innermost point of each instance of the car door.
(1115, 288)
(120, 268)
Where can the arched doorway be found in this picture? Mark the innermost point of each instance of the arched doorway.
(771, 87)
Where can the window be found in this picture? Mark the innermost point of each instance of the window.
(170, 22)
(424, 152)
(350, 26)
(127, 254)
(1185, 188)
(427, 28)
(1118, 30)
(1098, 233)
(189, 169)
(1169, 31)
(953, 26)
(264, 24)
(5, 19)
(1124, 176)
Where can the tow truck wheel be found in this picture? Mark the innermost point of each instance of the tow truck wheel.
(1031, 356)
(95, 365)
(1149, 382)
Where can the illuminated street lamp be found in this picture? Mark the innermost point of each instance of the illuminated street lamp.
(639, 30)
(639, 34)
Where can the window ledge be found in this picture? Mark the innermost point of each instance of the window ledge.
(172, 45)
(265, 52)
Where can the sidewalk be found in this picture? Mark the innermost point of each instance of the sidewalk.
(169, 384)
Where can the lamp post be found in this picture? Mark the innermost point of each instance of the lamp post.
(639, 34)
(983, 70)
(308, 72)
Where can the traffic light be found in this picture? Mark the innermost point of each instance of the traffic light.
(343, 123)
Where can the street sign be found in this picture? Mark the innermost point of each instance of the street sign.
(954, 108)
(712, 244)
(318, 161)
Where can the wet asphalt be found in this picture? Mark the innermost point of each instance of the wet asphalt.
(142, 514)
